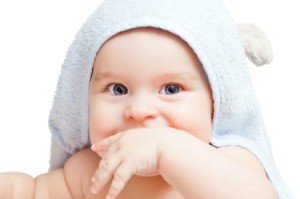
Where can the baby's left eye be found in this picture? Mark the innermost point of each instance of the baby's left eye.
(171, 89)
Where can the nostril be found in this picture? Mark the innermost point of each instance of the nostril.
(140, 113)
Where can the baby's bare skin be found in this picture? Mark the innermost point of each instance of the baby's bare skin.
(130, 90)
(78, 173)
(74, 181)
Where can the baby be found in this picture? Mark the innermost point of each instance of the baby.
(163, 97)
(148, 95)
(150, 115)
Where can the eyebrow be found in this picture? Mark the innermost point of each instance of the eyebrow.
(168, 75)
(104, 75)
(180, 75)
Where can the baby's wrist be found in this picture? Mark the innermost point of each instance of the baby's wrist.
(168, 144)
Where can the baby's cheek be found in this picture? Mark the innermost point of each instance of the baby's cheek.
(101, 125)
(193, 121)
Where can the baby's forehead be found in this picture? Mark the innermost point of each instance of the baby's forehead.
(146, 45)
(149, 49)
(140, 34)
(149, 40)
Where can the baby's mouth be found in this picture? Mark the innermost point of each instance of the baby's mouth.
(151, 123)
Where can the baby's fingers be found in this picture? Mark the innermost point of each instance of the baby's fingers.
(121, 177)
(104, 173)
(107, 142)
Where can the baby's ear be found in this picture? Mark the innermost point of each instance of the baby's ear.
(257, 47)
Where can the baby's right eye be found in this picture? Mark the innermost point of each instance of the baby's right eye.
(117, 89)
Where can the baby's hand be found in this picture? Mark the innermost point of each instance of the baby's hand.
(133, 152)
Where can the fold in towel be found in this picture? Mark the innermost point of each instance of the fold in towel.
(206, 26)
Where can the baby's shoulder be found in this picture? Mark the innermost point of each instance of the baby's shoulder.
(84, 158)
(78, 171)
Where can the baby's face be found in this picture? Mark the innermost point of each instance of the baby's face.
(148, 78)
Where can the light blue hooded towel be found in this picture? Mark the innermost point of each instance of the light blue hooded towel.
(209, 30)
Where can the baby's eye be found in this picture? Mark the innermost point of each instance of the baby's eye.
(117, 89)
(170, 89)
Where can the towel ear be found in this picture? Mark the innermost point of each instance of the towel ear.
(257, 47)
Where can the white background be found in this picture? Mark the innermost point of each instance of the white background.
(35, 35)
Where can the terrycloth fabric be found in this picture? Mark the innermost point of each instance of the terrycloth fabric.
(209, 30)
(257, 47)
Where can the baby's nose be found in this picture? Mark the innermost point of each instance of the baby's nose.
(141, 109)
